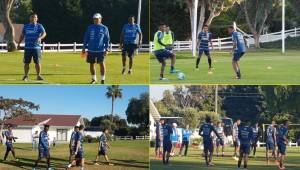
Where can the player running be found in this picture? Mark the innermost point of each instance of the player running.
(33, 33)
(238, 50)
(103, 147)
(204, 39)
(96, 40)
(162, 53)
(282, 141)
(256, 136)
(79, 152)
(271, 141)
(44, 147)
(220, 131)
(129, 42)
(167, 144)
(9, 143)
(72, 144)
(245, 137)
(205, 131)
(168, 39)
(186, 133)
(235, 138)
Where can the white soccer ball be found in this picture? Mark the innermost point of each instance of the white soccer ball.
(181, 76)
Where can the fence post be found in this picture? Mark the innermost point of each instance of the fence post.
(219, 43)
(74, 47)
(295, 31)
(58, 46)
(150, 47)
(110, 47)
(43, 46)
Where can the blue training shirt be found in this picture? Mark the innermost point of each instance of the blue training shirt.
(73, 135)
(79, 137)
(7, 135)
(204, 38)
(281, 134)
(44, 140)
(31, 34)
(255, 133)
(96, 38)
(206, 130)
(245, 135)
(130, 32)
(186, 133)
(238, 38)
(271, 132)
(167, 132)
(103, 141)
(175, 135)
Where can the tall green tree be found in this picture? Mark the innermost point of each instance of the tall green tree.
(113, 92)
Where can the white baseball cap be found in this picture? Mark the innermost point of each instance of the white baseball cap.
(97, 15)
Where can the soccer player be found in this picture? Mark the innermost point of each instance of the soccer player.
(186, 133)
(282, 141)
(44, 147)
(238, 50)
(103, 147)
(174, 138)
(79, 152)
(245, 136)
(220, 131)
(158, 141)
(96, 40)
(204, 39)
(256, 135)
(271, 141)
(205, 131)
(168, 39)
(33, 33)
(129, 42)
(9, 143)
(162, 53)
(167, 144)
(235, 137)
(72, 145)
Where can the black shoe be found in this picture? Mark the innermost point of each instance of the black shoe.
(123, 71)
(25, 78)
(102, 81)
(39, 78)
(93, 81)
(129, 72)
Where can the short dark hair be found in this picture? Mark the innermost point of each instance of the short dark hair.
(231, 27)
(32, 14)
(81, 127)
(131, 16)
(46, 126)
(205, 25)
(207, 119)
(76, 127)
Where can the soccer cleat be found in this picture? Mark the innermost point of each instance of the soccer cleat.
(25, 78)
(110, 164)
(123, 71)
(96, 163)
(174, 71)
(129, 72)
(39, 78)
(93, 81)
(163, 79)
(102, 81)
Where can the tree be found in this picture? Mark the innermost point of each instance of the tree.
(113, 92)
(137, 111)
(9, 35)
(86, 122)
(11, 108)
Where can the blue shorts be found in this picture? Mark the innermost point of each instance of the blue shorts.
(236, 143)
(206, 52)
(157, 143)
(270, 146)
(169, 48)
(245, 149)
(218, 142)
(103, 151)
(32, 53)
(9, 146)
(167, 146)
(95, 57)
(281, 148)
(237, 55)
(129, 49)
(208, 146)
(80, 154)
(44, 153)
(162, 55)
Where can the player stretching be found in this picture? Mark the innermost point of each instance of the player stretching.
(33, 33)
(282, 141)
(205, 132)
(44, 147)
(220, 131)
(129, 42)
(256, 135)
(9, 143)
(103, 147)
(271, 141)
(235, 137)
(167, 144)
(96, 40)
(238, 50)
(162, 53)
(245, 136)
(204, 38)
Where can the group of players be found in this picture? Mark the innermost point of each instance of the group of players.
(163, 48)
(96, 41)
(245, 138)
(76, 157)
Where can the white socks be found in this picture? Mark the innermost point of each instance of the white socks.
(103, 77)
(94, 77)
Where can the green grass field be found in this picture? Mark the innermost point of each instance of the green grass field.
(70, 68)
(261, 67)
(194, 161)
(124, 154)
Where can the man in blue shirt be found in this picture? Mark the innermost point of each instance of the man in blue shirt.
(205, 131)
(220, 131)
(96, 40)
(238, 50)
(9, 143)
(44, 147)
(256, 136)
(103, 147)
(174, 138)
(167, 144)
(186, 133)
(129, 42)
(72, 143)
(79, 152)
(271, 140)
(204, 39)
(245, 136)
(282, 141)
(33, 33)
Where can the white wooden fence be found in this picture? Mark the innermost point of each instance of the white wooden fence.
(226, 43)
(131, 137)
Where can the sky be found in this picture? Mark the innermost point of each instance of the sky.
(156, 91)
(88, 101)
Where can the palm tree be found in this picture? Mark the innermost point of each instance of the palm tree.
(114, 92)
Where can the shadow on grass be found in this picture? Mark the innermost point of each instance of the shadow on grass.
(130, 163)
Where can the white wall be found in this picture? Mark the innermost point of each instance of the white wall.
(93, 133)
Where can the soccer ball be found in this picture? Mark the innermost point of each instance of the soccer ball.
(181, 76)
